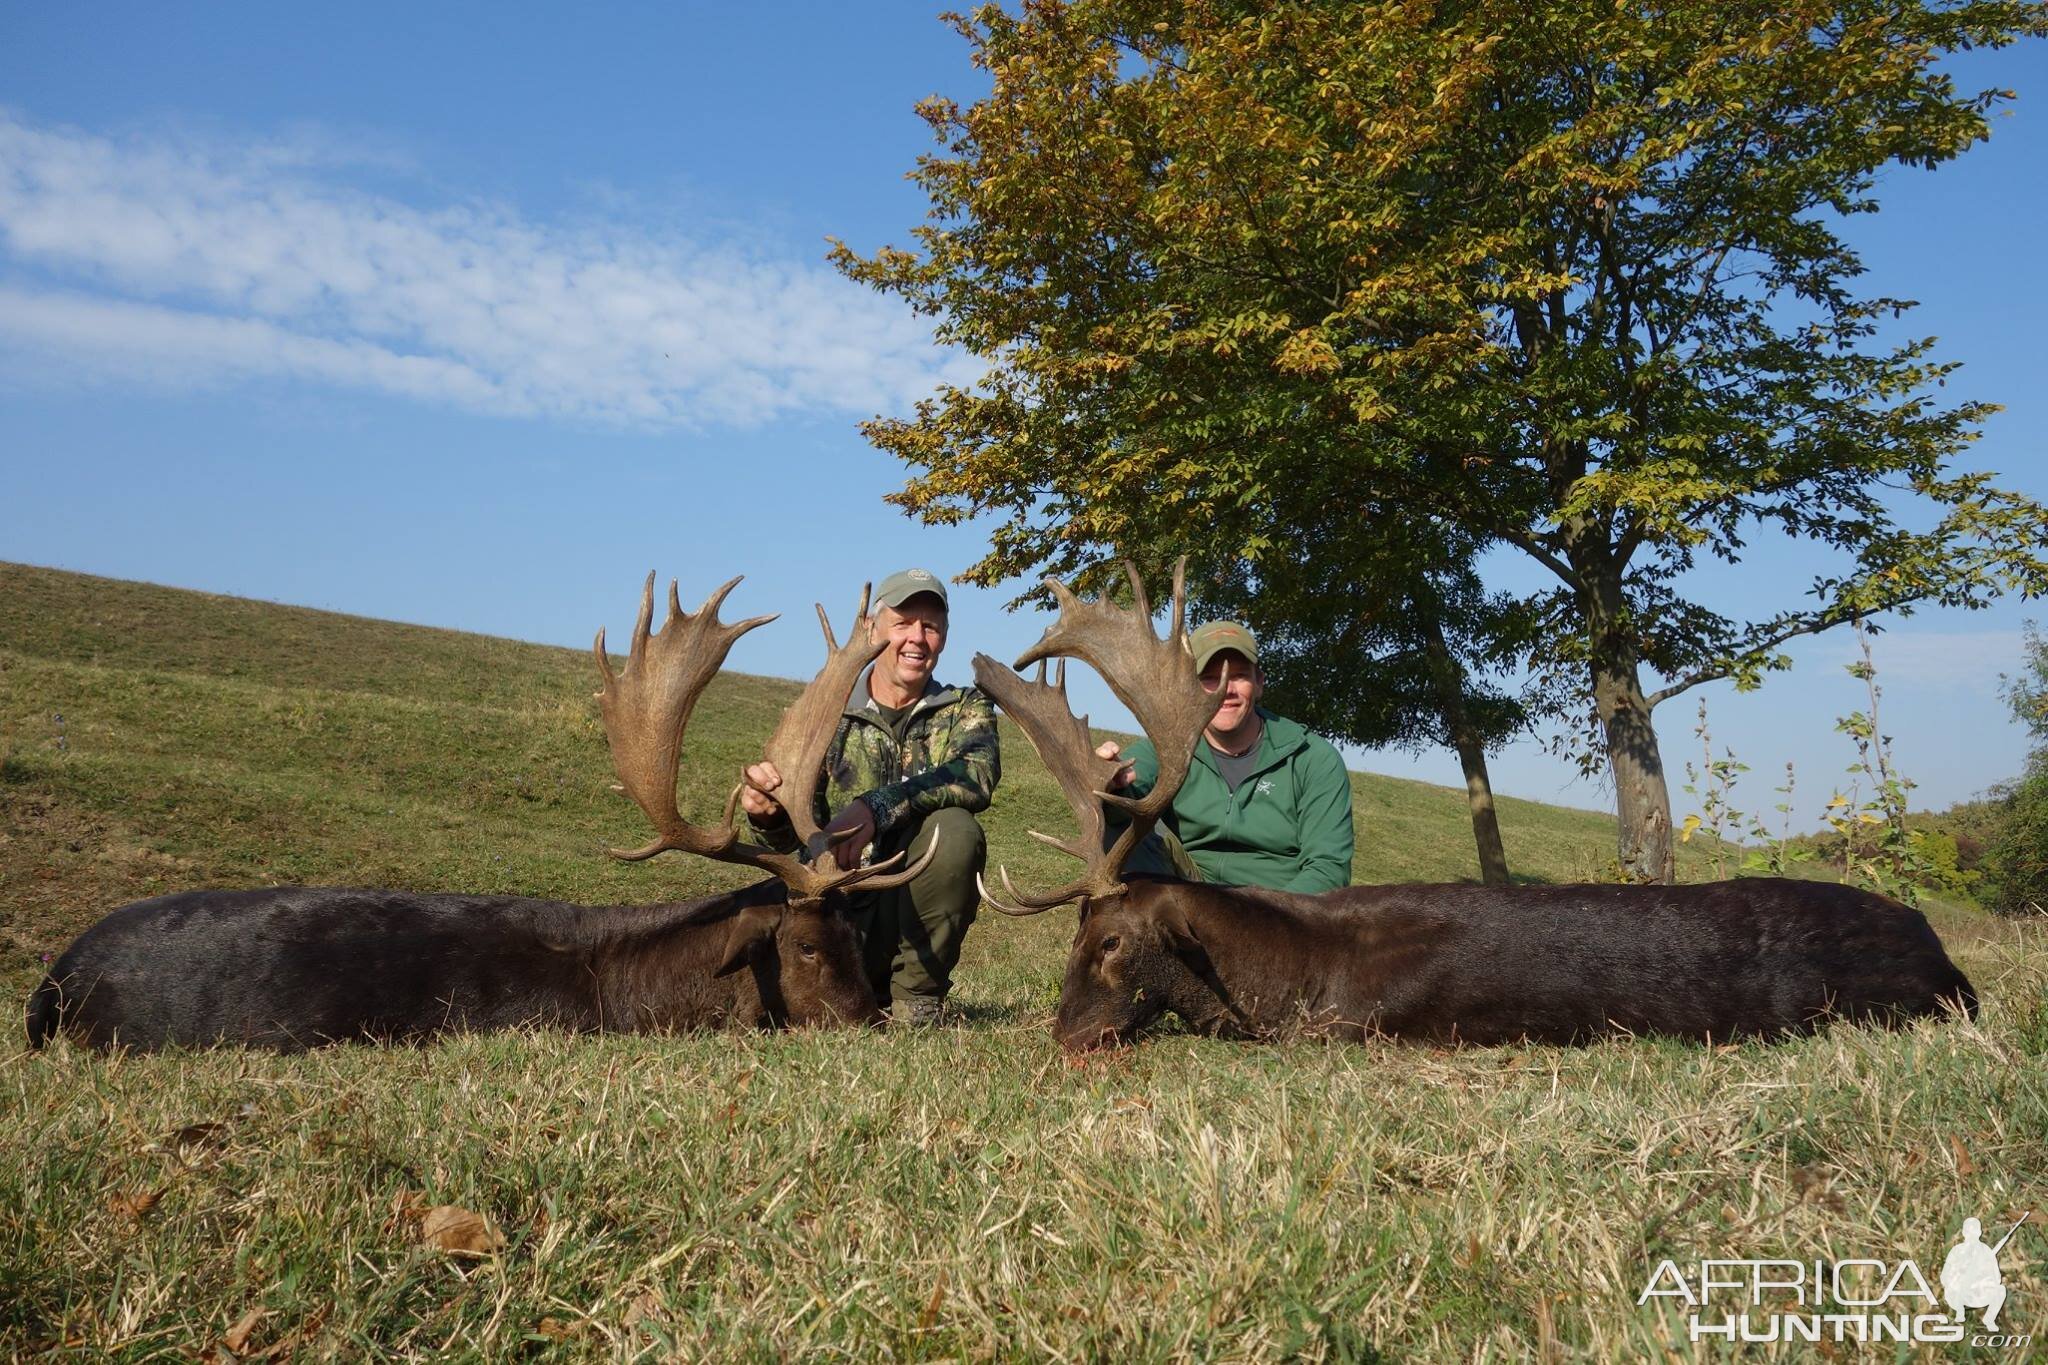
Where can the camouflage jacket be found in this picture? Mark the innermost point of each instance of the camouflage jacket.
(947, 757)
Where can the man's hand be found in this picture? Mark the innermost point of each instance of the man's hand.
(760, 779)
(857, 822)
(1122, 777)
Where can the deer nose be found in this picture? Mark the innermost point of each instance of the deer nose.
(1084, 1040)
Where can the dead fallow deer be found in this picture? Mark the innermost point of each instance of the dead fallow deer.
(1754, 957)
(298, 967)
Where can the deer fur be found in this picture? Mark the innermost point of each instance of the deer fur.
(1751, 958)
(298, 967)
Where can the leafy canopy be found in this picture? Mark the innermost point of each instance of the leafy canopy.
(1567, 275)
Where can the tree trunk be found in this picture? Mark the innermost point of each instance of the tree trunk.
(1641, 798)
(1493, 859)
(1465, 738)
(1642, 801)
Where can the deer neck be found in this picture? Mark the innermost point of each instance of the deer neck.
(1270, 964)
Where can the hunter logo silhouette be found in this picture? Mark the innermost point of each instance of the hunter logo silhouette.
(1970, 1277)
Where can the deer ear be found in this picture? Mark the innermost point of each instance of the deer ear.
(1179, 934)
(753, 929)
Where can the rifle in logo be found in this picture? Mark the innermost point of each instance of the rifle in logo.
(1970, 1277)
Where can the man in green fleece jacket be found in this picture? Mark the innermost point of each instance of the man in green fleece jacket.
(912, 760)
(1265, 803)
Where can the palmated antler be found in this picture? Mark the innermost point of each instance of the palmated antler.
(1155, 678)
(647, 705)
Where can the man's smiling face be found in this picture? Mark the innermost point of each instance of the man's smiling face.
(1242, 685)
(915, 633)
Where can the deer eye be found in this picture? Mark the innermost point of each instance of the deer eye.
(1112, 943)
(807, 949)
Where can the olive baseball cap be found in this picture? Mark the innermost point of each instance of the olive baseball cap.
(904, 584)
(1216, 637)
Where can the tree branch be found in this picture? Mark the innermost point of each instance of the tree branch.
(1811, 623)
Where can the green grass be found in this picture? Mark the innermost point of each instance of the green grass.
(968, 1193)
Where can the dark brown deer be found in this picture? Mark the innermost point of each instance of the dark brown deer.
(297, 967)
(1755, 957)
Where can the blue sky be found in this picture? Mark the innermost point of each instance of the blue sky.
(471, 315)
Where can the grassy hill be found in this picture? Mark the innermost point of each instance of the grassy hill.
(967, 1193)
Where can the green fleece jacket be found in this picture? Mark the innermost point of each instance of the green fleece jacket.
(1287, 826)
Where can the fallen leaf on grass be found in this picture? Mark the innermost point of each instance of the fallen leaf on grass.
(647, 1305)
(210, 1134)
(1811, 1184)
(138, 1203)
(554, 1329)
(930, 1314)
(237, 1339)
(453, 1229)
(1964, 1166)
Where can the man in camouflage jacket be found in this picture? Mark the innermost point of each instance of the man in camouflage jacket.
(912, 759)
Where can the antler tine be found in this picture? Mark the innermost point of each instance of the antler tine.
(647, 707)
(1140, 603)
(872, 878)
(1180, 599)
(990, 896)
(1033, 903)
(797, 748)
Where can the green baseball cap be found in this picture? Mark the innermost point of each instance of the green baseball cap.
(1216, 637)
(904, 584)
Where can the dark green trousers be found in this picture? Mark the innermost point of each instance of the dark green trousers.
(911, 936)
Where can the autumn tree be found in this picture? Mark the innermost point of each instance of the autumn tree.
(1573, 277)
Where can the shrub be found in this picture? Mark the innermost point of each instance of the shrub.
(2016, 858)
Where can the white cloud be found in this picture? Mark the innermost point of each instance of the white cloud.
(178, 261)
